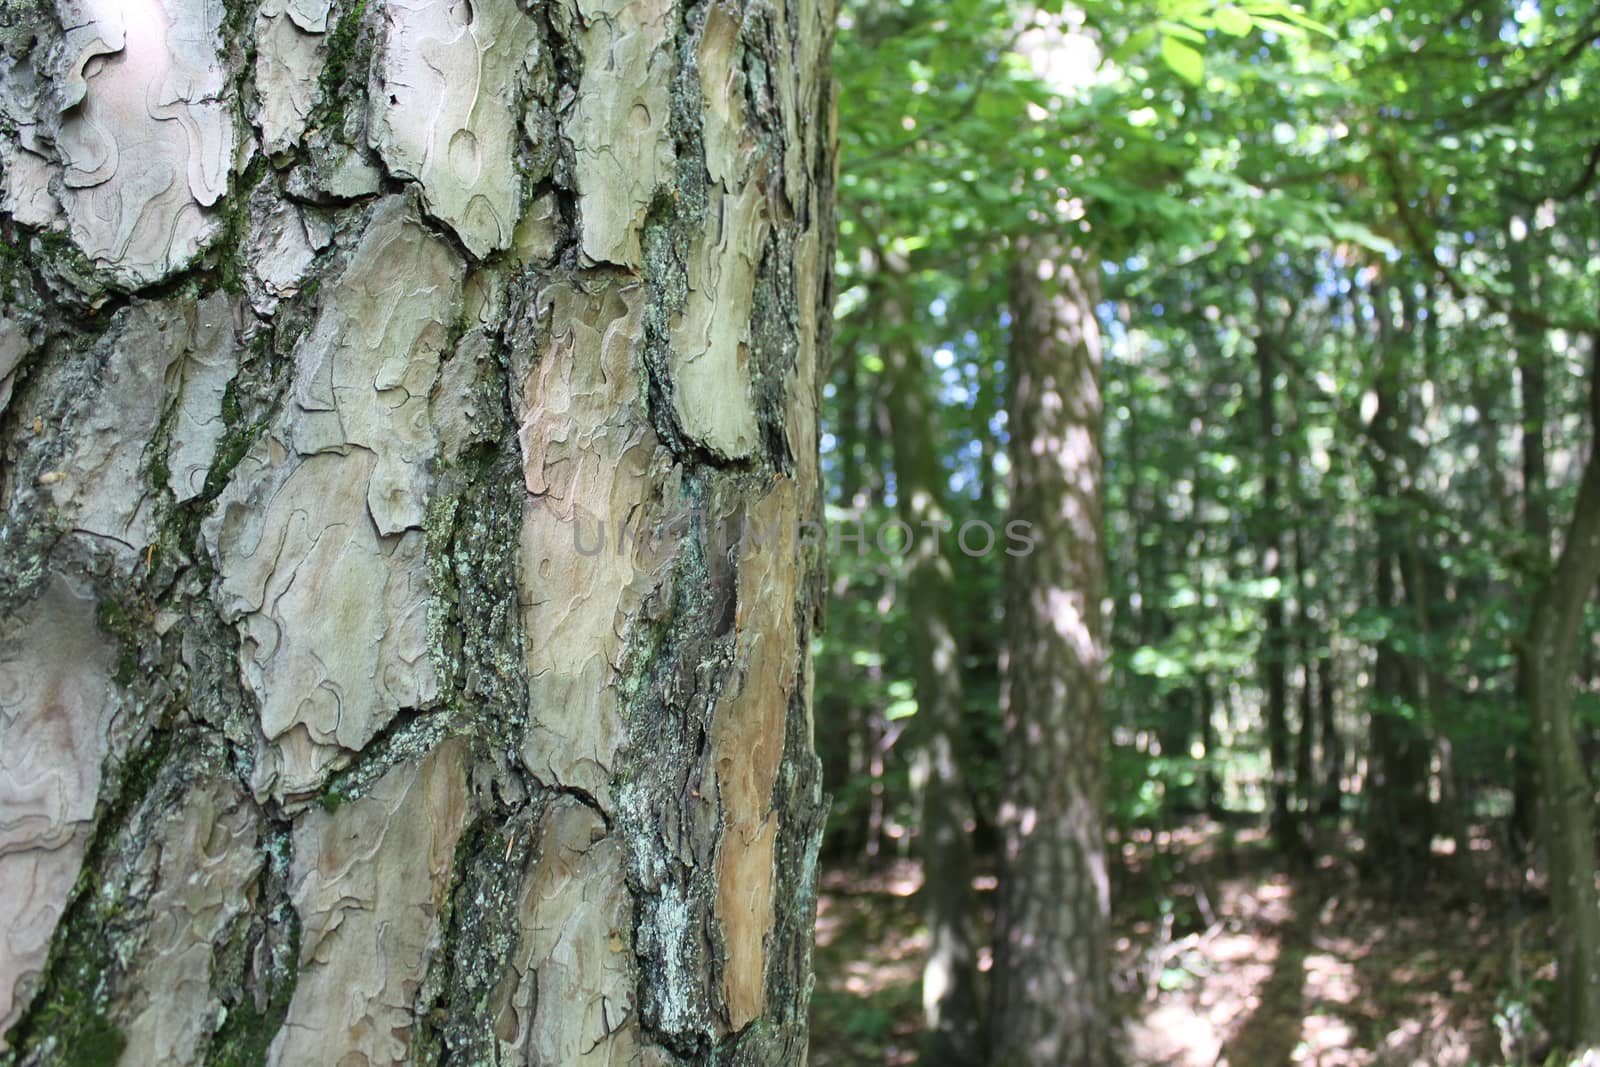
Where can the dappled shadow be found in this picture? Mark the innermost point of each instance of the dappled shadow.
(1429, 976)
(1317, 970)
(1340, 976)
(1227, 993)
(1270, 1034)
(867, 1006)
(1222, 959)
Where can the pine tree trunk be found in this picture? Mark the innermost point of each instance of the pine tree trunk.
(408, 410)
(1051, 968)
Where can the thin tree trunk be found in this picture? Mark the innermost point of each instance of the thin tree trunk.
(1332, 801)
(1210, 782)
(951, 1009)
(1426, 587)
(1305, 784)
(388, 672)
(1548, 662)
(1205, 704)
(1530, 359)
(1051, 955)
(1399, 816)
(1305, 641)
(1274, 654)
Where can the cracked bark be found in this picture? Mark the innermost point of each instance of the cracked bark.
(322, 736)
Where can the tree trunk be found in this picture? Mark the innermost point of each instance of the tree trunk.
(1529, 355)
(1332, 799)
(1399, 817)
(1548, 661)
(403, 621)
(1306, 639)
(1305, 783)
(1274, 654)
(951, 1010)
(1051, 965)
(1210, 781)
(1428, 594)
(1204, 697)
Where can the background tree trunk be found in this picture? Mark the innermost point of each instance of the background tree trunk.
(403, 627)
(1548, 664)
(1399, 825)
(950, 976)
(1528, 349)
(1273, 662)
(1051, 971)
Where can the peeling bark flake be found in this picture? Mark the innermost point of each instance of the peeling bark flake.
(145, 135)
(568, 997)
(318, 537)
(590, 548)
(444, 110)
(368, 881)
(711, 337)
(56, 729)
(291, 49)
(204, 865)
(747, 736)
(618, 125)
(99, 485)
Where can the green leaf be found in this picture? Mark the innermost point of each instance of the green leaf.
(1136, 43)
(900, 709)
(1233, 22)
(1187, 63)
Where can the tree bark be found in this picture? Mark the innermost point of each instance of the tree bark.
(403, 617)
(1051, 967)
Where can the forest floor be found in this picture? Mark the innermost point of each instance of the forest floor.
(1225, 957)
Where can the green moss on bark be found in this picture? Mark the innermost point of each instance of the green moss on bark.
(457, 1022)
(69, 1022)
(247, 1030)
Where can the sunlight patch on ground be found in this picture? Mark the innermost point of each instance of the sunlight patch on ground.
(1249, 968)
